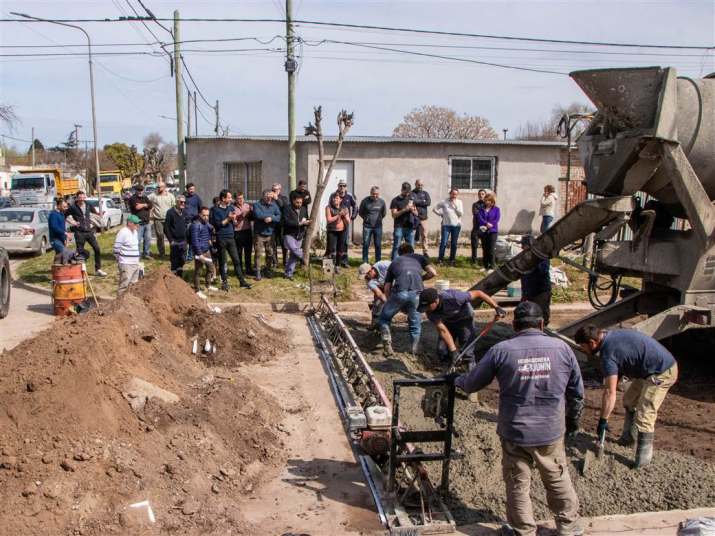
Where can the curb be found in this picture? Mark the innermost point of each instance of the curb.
(37, 289)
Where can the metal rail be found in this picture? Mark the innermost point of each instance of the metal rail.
(354, 383)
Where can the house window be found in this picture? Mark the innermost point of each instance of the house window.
(472, 173)
(246, 177)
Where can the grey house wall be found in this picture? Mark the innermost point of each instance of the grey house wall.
(522, 171)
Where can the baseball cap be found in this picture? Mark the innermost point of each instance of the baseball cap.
(342, 182)
(133, 218)
(528, 311)
(427, 297)
(364, 269)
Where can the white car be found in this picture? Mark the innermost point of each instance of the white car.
(109, 211)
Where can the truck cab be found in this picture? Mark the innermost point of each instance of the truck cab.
(111, 183)
(33, 188)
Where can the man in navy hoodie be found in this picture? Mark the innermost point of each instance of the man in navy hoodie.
(201, 231)
(56, 223)
(223, 218)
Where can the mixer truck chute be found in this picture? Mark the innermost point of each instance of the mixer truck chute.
(654, 132)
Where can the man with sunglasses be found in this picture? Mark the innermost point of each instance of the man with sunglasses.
(175, 230)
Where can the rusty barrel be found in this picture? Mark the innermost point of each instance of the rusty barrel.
(67, 287)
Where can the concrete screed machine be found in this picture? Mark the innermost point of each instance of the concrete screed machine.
(653, 132)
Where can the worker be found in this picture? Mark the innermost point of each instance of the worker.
(650, 367)
(452, 314)
(126, 251)
(403, 284)
(540, 398)
(374, 276)
(536, 283)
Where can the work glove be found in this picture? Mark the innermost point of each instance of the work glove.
(572, 425)
(602, 427)
(500, 312)
(453, 354)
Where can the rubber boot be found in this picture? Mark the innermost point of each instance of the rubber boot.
(644, 450)
(628, 436)
(386, 337)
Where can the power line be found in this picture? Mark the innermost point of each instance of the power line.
(15, 139)
(397, 29)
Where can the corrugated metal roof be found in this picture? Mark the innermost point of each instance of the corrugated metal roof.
(382, 139)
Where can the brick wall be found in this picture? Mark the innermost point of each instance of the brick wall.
(576, 186)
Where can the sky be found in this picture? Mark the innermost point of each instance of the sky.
(135, 94)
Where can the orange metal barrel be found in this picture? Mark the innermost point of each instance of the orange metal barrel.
(67, 287)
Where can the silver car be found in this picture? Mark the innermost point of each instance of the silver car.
(24, 230)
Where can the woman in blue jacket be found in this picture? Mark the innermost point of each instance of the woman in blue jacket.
(488, 219)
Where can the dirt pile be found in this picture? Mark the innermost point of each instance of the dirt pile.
(676, 479)
(111, 409)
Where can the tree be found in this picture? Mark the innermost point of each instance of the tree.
(126, 158)
(345, 122)
(38, 146)
(7, 115)
(159, 156)
(444, 123)
(548, 129)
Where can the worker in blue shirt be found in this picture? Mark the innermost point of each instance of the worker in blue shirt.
(452, 314)
(57, 226)
(650, 367)
(536, 284)
(540, 399)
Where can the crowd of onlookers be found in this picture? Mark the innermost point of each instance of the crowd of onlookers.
(254, 235)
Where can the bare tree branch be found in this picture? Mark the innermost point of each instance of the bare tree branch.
(443, 123)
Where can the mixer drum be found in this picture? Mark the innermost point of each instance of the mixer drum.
(635, 106)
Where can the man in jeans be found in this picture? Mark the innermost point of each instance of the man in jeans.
(403, 284)
(282, 202)
(175, 229)
(81, 226)
(223, 219)
(140, 206)
(266, 215)
(539, 378)
(372, 211)
(126, 251)
(295, 220)
(404, 212)
(243, 232)
(201, 231)
(422, 202)
(57, 227)
(161, 201)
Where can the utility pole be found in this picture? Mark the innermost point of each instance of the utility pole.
(189, 112)
(290, 67)
(216, 127)
(196, 114)
(33, 146)
(181, 149)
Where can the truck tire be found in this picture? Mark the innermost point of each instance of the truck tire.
(4, 283)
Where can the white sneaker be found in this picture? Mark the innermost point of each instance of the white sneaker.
(201, 295)
(212, 289)
(100, 273)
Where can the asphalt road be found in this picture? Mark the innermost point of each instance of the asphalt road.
(30, 313)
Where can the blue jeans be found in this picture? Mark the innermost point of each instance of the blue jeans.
(144, 238)
(546, 222)
(371, 234)
(57, 245)
(405, 301)
(451, 232)
(400, 234)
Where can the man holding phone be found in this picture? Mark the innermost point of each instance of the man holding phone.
(406, 216)
(295, 221)
(224, 218)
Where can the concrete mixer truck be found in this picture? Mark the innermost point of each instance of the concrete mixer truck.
(654, 132)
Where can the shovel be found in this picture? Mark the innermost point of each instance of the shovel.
(600, 447)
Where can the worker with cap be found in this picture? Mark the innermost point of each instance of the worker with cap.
(540, 399)
(536, 283)
(374, 275)
(406, 218)
(347, 201)
(652, 370)
(403, 284)
(452, 314)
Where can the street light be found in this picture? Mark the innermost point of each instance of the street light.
(91, 85)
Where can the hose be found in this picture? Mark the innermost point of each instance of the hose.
(613, 286)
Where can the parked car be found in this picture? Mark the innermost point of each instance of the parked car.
(109, 211)
(24, 229)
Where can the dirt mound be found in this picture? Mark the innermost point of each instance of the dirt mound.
(238, 336)
(111, 409)
(674, 480)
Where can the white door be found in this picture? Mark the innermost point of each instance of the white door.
(343, 169)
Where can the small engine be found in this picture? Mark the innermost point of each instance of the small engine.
(375, 440)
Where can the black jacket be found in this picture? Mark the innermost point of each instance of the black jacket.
(422, 201)
(141, 213)
(82, 218)
(175, 227)
(291, 221)
(305, 194)
(372, 211)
